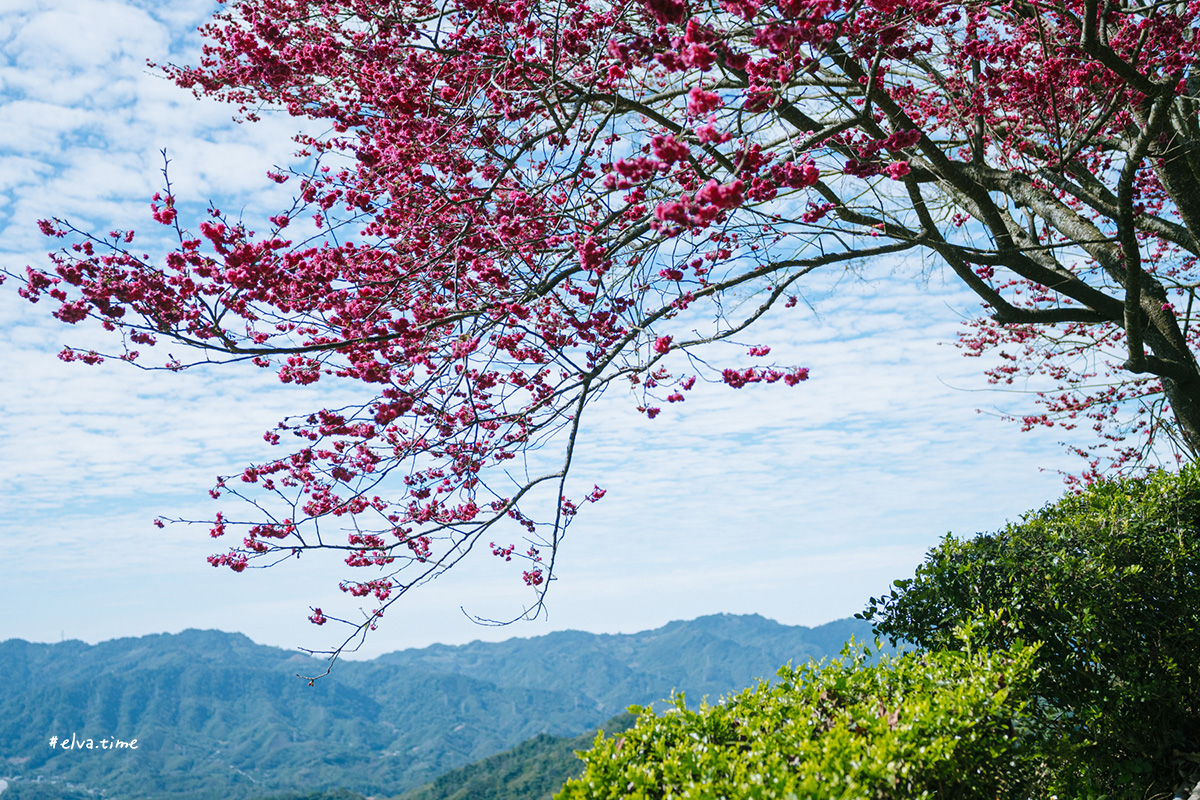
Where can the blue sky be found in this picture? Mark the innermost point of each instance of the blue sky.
(797, 504)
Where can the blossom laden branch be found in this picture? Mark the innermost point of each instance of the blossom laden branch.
(519, 204)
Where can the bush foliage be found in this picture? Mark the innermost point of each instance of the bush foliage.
(1108, 582)
(919, 725)
(1058, 657)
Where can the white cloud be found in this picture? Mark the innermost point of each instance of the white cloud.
(83, 35)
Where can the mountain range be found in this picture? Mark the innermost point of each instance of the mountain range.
(217, 716)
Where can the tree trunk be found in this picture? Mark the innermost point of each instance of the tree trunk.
(1184, 398)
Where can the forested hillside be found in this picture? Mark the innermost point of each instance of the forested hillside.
(218, 716)
(533, 770)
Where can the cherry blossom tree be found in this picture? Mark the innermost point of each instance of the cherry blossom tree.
(519, 203)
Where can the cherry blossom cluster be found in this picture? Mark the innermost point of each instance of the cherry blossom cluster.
(518, 204)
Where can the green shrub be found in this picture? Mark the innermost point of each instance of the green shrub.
(1108, 583)
(920, 725)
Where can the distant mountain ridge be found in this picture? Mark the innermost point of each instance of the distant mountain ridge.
(218, 716)
(710, 655)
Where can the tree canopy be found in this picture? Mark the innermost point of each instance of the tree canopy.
(1105, 583)
(515, 205)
